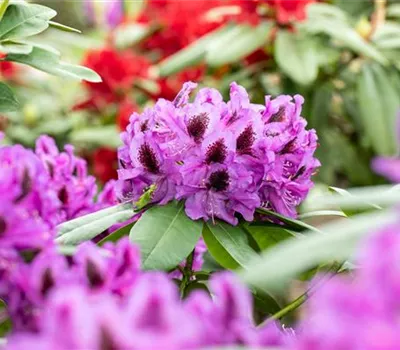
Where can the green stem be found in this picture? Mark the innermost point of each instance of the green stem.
(291, 307)
(3, 8)
(186, 274)
(335, 268)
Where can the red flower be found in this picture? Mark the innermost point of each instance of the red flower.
(170, 86)
(183, 22)
(289, 10)
(105, 164)
(125, 111)
(118, 69)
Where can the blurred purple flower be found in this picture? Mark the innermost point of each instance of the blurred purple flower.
(100, 12)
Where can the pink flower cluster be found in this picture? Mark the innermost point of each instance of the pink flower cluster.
(221, 158)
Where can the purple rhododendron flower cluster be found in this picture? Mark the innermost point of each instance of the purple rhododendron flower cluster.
(361, 311)
(40, 190)
(221, 158)
(151, 316)
(76, 190)
(25, 286)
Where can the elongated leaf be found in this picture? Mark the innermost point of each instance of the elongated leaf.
(318, 10)
(130, 34)
(277, 266)
(378, 114)
(346, 35)
(191, 55)
(228, 245)
(117, 235)
(8, 101)
(97, 136)
(297, 57)
(295, 225)
(321, 213)
(10, 46)
(358, 198)
(23, 20)
(245, 42)
(93, 229)
(166, 236)
(269, 235)
(90, 218)
(48, 60)
(63, 27)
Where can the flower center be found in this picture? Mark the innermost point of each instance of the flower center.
(216, 152)
(218, 181)
(245, 141)
(197, 126)
(3, 225)
(148, 159)
(278, 116)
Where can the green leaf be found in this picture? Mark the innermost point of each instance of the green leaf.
(22, 20)
(74, 224)
(268, 236)
(358, 198)
(378, 114)
(394, 11)
(297, 57)
(293, 224)
(322, 213)
(117, 235)
(195, 286)
(166, 236)
(228, 245)
(10, 46)
(64, 28)
(346, 35)
(288, 259)
(8, 101)
(48, 60)
(97, 136)
(191, 55)
(318, 10)
(321, 106)
(231, 49)
(130, 34)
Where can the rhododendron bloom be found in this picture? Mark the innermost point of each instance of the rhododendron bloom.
(222, 159)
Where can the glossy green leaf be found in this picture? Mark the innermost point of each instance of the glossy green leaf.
(268, 236)
(48, 60)
(245, 42)
(293, 224)
(8, 101)
(322, 213)
(378, 114)
(22, 20)
(228, 245)
(117, 235)
(297, 57)
(288, 259)
(97, 136)
(166, 236)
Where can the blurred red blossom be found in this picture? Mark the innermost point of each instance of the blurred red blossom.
(125, 110)
(289, 10)
(118, 69)
(105, 164)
